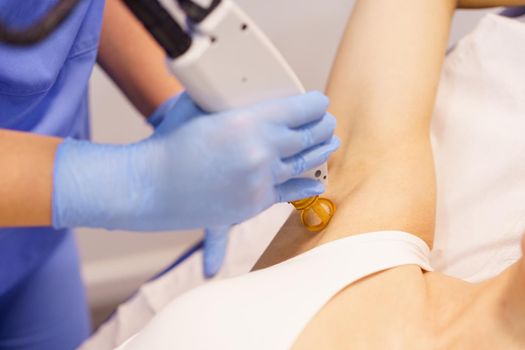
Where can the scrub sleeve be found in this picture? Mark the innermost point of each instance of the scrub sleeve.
(43, 89)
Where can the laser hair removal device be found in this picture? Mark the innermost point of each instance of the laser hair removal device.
(225, 61)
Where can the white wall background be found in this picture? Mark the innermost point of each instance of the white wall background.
(307, 33)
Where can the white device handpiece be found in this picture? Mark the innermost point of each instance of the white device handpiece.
(231, 63)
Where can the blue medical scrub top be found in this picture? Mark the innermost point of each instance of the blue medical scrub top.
(43, 90)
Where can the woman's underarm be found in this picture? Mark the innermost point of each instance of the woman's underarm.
(382, 89)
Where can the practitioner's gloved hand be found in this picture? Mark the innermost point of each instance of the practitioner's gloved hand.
(215, 239)
(196, 170)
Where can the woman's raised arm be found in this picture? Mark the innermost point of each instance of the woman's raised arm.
(382, 89)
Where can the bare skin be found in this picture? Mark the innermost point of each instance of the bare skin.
(135, 62)
(26, 175)
(382, 91)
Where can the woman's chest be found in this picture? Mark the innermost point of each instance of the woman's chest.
(384, 311)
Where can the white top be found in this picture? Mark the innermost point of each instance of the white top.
(268, 309)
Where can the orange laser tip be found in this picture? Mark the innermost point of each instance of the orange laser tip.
(316, 212)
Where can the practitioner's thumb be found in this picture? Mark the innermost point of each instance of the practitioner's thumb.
(215, 244)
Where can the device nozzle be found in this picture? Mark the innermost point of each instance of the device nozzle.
(316, 212)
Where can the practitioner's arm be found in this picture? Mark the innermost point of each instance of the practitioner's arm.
(134, 60)
(382, 90)
(26, 178)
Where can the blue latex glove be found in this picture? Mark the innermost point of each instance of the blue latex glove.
(214, 250)
(196, 170)
(156, 118)
(216, 239)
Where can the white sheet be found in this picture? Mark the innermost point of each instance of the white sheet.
(479, 144)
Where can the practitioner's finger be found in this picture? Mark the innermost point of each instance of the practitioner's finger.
(296, 189)
(215, 244)
(295, 141)
(309, 159)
